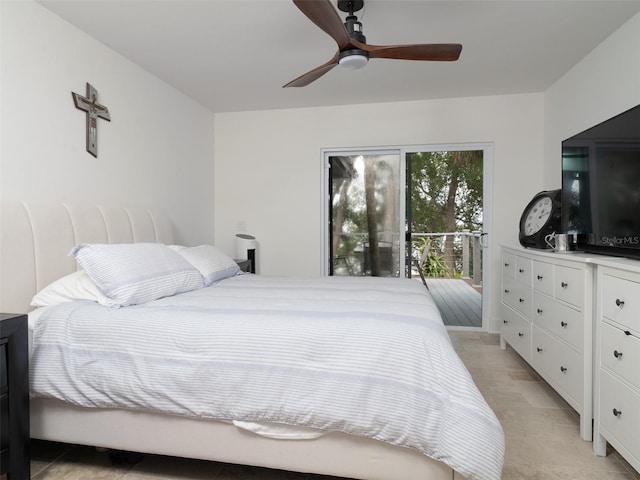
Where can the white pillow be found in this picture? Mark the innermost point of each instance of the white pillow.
(213, 264)
(135, 273)
(70, 288)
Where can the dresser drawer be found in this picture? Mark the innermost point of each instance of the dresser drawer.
(557, 363)
(619, 413)
(621, 301)
(524, 270)
(517, 296)
(543, 277)
(508, 264)
(561, 320)
(621, 353)
(569, 285)
(517, 332)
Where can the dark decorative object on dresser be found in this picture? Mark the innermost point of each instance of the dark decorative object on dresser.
(541, 217)
(14, 397)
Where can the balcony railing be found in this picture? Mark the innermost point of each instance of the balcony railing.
(467, 254)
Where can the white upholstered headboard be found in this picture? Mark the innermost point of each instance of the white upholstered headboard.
(35, 241)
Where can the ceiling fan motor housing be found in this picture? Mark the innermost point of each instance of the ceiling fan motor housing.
(354, 28)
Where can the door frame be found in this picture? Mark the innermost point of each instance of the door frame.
(487, 201)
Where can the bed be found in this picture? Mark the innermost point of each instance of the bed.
(36, 240)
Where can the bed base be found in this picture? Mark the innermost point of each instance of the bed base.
(332, 454)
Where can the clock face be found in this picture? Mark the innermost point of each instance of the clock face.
(538, 215)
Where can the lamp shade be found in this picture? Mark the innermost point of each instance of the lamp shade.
(244, 243)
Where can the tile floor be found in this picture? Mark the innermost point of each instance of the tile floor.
(541, 431)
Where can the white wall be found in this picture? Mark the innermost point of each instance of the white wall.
(268, 167)
(605, 83)
(157, 150)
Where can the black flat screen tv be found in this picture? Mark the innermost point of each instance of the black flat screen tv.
(601, 186)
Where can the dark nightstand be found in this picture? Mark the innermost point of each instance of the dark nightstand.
(245, 265)
(14, 397)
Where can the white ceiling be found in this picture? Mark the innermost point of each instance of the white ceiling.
(235, 55)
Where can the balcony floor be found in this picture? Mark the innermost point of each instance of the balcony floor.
(460, 304)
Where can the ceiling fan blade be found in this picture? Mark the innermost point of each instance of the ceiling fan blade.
(444, 52)
(322, 13)
(313, 75)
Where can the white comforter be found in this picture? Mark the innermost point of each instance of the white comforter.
(364, 356)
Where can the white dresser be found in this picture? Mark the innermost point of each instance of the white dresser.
(617, 359)
(547, 317)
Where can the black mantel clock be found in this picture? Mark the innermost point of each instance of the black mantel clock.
(540, 218)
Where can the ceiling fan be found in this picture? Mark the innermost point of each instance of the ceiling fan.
(353, 51)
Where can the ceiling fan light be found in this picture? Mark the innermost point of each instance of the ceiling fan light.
(353, 61)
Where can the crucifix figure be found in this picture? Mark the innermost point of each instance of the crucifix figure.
(94, 111)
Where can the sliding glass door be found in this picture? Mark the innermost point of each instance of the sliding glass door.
(402, 211)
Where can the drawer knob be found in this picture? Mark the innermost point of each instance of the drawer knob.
(619, 303)
(506, 264)
(505, 321)
(521, 300)
(563, 369)
(520, 334)
(564, 284)
(521, 270)
(539, 349)
(506, 290)
(539, 277)
(563, 324)
(617, 412)
(539, 311)
(617, 354)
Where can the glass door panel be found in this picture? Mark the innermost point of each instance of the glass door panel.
(364, 218)
(444, 229)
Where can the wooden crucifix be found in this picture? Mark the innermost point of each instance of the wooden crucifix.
(94, 110)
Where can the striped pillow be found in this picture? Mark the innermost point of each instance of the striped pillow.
(213, 264)
(135, 273)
